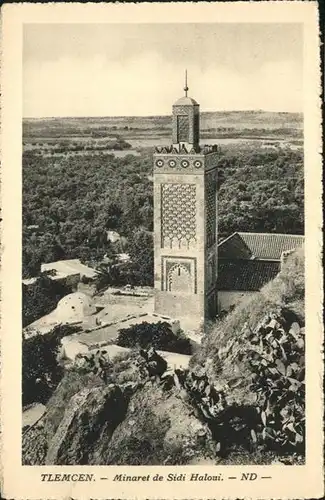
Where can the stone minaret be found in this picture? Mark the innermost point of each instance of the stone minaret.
(185, 220)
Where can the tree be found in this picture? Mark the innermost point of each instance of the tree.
(41, 297)
(74, 205)
(156, 335)
(141, 253)
(41, 370)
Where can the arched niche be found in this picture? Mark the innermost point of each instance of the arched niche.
(180, 280)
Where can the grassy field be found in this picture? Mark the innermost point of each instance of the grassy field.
(107, 135)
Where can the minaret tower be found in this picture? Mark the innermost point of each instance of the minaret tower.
(185, 220)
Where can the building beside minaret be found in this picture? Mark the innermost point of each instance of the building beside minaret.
(185, 220)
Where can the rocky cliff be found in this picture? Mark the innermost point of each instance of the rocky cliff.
(108, 425)
(135, 411)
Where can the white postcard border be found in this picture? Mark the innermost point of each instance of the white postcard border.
(24, 482)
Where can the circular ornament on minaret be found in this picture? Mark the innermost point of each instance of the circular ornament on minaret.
(185, 163)
(172, 163)
(159, 163)
(197, 164)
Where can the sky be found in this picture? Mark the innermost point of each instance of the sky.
(138, 69)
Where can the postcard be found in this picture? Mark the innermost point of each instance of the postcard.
(161, 251)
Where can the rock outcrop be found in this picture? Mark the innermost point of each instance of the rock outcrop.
(113, 424)
(90, 415)
(159, 427)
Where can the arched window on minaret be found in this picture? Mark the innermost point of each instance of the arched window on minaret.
(179, 280)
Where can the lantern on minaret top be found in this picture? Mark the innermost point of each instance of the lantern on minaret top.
(186, 123)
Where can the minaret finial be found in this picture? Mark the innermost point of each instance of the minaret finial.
(186, 87)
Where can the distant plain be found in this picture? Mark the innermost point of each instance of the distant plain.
(123, 135)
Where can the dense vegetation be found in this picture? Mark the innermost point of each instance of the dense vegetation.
(73, 202)
(68, 147)
(261, 190)
(157, 335)
(41, 369)
(70, 203)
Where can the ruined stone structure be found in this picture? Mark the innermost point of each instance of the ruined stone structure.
(185, 220)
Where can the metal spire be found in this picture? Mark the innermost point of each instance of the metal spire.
(186, 87)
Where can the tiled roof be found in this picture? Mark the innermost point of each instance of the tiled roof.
(234, 247)
(245, 275)
(266, 246)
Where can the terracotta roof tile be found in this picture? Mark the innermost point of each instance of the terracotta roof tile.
(270, 246)
(267, 246)
(234, 247)
(245, 275)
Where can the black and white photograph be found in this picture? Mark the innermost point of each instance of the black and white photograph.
(163, 244)
(163, 248)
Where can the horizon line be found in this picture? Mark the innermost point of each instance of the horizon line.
(160, 114)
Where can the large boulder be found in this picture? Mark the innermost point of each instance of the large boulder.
(159, 428)
(90, 415)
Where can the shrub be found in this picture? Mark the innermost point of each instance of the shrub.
(41, 370)
(96, 363)
(285, 291)
(156, 335)
(279, 371)
(231, 426)
(123, 370)
(85, 280)
(275, 421)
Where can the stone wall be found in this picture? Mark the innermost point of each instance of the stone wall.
(226, 299)
(190, 307)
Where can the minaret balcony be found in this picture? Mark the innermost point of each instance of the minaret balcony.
(186, 149)
(181, 159)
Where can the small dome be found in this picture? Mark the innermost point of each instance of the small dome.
(74, 306)
(186, 101)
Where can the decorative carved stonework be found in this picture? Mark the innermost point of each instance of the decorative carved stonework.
(179, 164)
(183, 161)
(211, 160)
(184, 110)
(182, 128)
(211, 209)
(178, 215)
(178, 274)
(176, 149)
